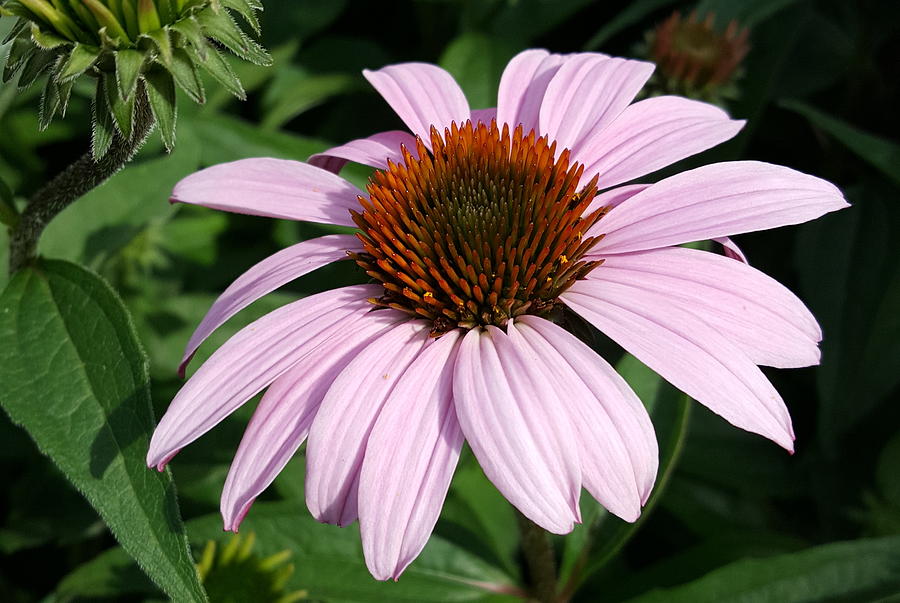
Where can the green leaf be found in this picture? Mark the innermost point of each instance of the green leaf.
(19, 52)
(222, 28)
(76, 378)
(161, 92)
(128, 70)
(880, 153)
(216, 65)
(37, 63)
(476, 61)
(329, 561)
(81, 58)
(633, 13)
(861, 570)
(46, 40)
(190, 34)
(111, 574)
(104, 129)
(293, 92)
(185, 74)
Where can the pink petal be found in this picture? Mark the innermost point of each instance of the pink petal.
(276, 188)
(687, 352)
(266, 276)
(652, 134)
(510, 416)
(522, 88)
(374, 151)
(606, 467)
(410, 458)
(422, 95)
(714, 201)
(731, 249)
(614, 197)
(287, 409)
(252, 359)
(485, 116)
(614, 397)
(756, 312)
(587, 93)
(338, 436)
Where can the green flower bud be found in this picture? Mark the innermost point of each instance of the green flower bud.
(138, 51)
(695, 59)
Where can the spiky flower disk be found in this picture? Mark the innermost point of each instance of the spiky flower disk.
(694, 58)
(484, 227)
(133, 48)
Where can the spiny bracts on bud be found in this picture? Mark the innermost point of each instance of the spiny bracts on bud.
(485, 226)
(138, 51)
(694, 59)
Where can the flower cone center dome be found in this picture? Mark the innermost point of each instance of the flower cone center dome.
(486, 226)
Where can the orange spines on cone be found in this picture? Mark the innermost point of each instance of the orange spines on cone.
(481, 228)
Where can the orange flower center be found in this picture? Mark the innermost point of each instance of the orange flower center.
(484, 227)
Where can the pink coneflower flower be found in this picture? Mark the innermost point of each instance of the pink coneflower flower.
(478, 230)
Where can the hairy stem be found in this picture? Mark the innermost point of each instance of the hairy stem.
(540, 559)
(76, 180)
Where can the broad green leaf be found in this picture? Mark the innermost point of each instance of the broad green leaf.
(221, 27)
(860, 570)
(526, 20)
(110, 574)
(216, 65)
(476, 61)
(292, 92)
(330, 565)
(633, 13)
(161, 92)
(854, 295)
(880, 153)
(122, 109)
(76, 378)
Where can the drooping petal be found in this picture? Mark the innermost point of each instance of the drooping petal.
(281, 421)
(266, 276)
(606, 467)
(614, 197)
(713, 201)
(731, 249)
(410, 458)
(276, 188)
(422, 95)
(252, 359)
(687, 352)
(652, 134)
(586, 94)
(509, 415)
(626, 412)
(522, 88)
(338, 436)
(374, 151)
(756, 312)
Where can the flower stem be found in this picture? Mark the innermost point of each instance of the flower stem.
(76, 180)
(540, 559)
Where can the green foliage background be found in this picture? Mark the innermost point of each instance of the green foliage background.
(733, 518)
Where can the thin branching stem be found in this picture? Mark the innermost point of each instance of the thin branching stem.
(72, 183)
